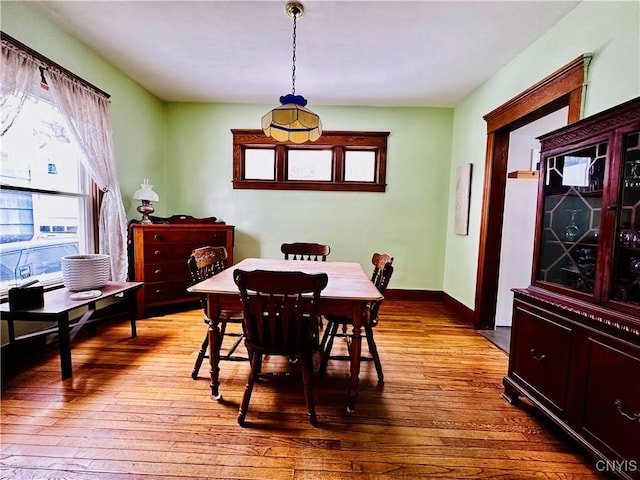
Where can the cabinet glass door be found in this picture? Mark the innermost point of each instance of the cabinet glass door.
(626, 269)
(573, 185)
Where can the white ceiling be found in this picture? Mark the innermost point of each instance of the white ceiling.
(378, 53)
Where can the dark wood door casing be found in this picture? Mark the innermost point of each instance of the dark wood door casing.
(564, 87)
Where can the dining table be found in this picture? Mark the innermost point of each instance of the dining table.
(348, 292)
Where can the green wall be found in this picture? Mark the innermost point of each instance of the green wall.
(408, 220)
(137, 117)
(608, 30)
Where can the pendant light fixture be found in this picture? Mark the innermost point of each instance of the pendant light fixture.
(291, 121)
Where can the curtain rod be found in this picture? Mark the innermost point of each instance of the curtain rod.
(50, 63)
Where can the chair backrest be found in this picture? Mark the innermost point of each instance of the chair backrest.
(280, 309)
(379, 260)
(305, 251)
(205, 262)
(382, 271)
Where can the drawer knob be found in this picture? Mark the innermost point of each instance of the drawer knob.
(157, 252)
(158, 292)
(158, 272)
(538, 357)
(632, 416)
(157, 236)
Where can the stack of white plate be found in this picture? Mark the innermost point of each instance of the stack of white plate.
(85, 272)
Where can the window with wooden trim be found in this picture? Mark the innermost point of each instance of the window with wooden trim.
(46, 201)
(337, 161)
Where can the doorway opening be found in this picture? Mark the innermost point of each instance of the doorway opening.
(564, 89)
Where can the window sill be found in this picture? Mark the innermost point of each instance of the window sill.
(291, 185)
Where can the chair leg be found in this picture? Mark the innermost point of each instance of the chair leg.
(256, 367)
(373, 349)
(330, 332)
(325, 336)
(232, 349)
(307, 375)
(201, 355)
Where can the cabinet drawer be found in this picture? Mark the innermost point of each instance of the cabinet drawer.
(611, 415)
(541, 351)
(167, 271)
(160, 293)
(169, 252)
(202, 237)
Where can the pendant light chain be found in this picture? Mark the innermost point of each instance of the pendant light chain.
(291, 121)
(293, 58)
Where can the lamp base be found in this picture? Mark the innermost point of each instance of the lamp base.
(145, 209)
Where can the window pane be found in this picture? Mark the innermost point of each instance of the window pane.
(37, 229)
(359, 166)
(309, 165)
(259, 164)
(35, 260)
(38, 151)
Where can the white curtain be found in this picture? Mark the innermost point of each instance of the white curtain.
(87, 113)
(19, 77)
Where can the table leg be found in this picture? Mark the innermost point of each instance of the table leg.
(215, 339)
(65, 346)
(356, 348)
(139, 299)
(132, 307)
(12, 346)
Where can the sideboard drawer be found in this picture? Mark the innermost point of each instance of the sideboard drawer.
(542, 356)
(202, 237)
(166, 271)
(159, 293)
(166, 252)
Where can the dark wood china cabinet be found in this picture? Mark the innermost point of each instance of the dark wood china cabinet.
(575, 338)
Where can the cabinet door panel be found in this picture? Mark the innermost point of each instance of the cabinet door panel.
(569, 244)
(612, 398)
(541, 355)
(625, 285)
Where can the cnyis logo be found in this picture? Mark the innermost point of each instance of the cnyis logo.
(617, 466)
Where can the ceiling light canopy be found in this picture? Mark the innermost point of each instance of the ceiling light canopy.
(291, 121)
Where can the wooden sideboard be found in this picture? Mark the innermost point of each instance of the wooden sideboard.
(575, 337)
(575, 363)
(158, 254)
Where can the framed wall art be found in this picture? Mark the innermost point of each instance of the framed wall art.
(463, 198)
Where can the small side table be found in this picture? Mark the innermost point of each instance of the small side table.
(59, 307)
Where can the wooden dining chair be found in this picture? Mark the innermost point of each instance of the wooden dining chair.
(205, 262)
(382, 271)
(305, 251)
(278, 308)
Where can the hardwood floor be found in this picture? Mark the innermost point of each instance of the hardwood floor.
(132, 411)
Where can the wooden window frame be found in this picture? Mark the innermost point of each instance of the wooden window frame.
(337, 141)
